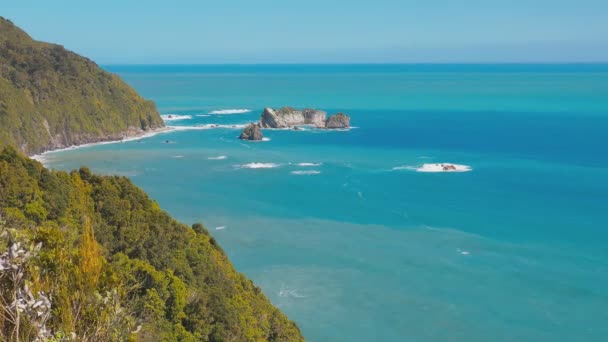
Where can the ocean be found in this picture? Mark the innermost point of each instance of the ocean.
(346, 236)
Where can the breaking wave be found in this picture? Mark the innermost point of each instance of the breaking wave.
(175, 117)
(443, 167)
(207, 126)
(436, 167)
(260, 166)
(229, 111)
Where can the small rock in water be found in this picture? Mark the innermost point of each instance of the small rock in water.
(252, 132)
(339, 120)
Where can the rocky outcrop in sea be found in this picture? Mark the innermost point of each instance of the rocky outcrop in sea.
(252, 132)
(288, 117)
(339, 120)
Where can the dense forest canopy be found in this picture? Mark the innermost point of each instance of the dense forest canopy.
(51, 97)
(104, 262)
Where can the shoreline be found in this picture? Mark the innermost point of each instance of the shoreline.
(40, 157)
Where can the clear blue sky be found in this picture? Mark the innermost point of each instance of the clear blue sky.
(319, 31)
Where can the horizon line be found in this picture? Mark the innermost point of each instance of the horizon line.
(362, 63)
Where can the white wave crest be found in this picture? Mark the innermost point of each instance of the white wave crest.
(220, 228)
(290, 293)
(203, 115)
(257, 141)
(462, 251)
(217, 158)
(437, 167)
(207, 126)
(309, 164)
(306, 172)
(229, 111)
(260, 165)
(443, 167)
(175, 117)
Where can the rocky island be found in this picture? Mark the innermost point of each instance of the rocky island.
(339, 120)
(288, 117)
(252, 132)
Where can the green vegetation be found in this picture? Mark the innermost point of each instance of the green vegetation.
(105, 263)
(92, 258)
(51, 97)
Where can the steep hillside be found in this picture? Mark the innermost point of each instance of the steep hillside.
(51, 97)
(92, 258)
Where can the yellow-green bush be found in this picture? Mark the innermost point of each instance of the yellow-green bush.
(117, 267)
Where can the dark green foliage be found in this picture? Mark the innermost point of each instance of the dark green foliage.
(170, 279)
(200, 229)
(51, 97)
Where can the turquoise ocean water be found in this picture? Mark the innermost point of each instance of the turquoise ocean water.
(366, 248)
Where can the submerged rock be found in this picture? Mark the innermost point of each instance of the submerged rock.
(288, 117)
(252, 132)
(339, 120)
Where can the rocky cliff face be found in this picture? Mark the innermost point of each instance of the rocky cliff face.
(339, 120)
(252, 132)
(287, 117)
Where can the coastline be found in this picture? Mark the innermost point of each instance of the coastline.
(40, 157)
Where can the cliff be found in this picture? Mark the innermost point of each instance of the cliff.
(51, 97)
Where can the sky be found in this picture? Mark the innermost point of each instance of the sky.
(316, 31)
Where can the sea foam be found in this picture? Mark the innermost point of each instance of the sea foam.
(207, 126)
(217, 158)
(306, 172)
(260, 166)
(436, 167)
(229, 111)
(308, 164)
(443, 167)
(175, 117)
(290, 293)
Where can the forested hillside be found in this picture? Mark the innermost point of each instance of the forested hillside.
(92, 258)
(51, 97)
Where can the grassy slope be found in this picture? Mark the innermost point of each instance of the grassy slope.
(51, 97)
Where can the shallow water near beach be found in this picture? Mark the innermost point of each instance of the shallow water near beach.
(342, 231)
